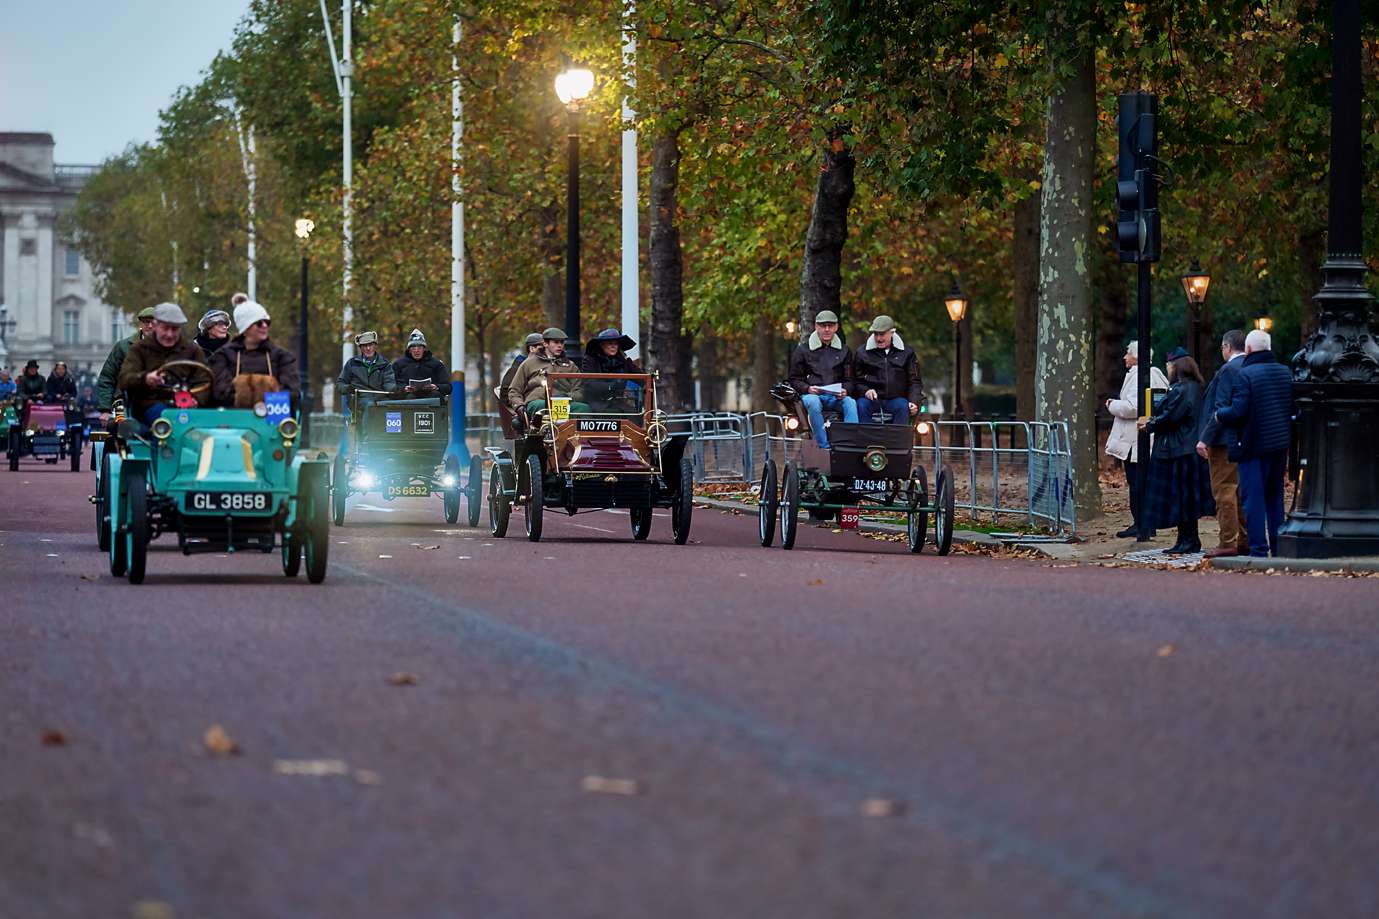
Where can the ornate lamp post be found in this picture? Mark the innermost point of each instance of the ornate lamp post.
(302, 229)
(1336, 374)
(1263, 321)
(572, 87)
(1195, 285)
(956, 304)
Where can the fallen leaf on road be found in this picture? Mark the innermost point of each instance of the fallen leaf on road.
(367, 777)
(88, 577)
(219, 743)
(1166, 650)
(837, 530)
(314, 767)
(152, 909)
(54, 738)
(600, 785)
(403, 679)
(882, 807)
(817, 582)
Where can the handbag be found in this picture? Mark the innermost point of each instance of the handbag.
(250, 387)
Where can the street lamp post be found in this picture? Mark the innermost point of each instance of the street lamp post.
(1195, 285)
(956, 304)
(1336, 374)
(572, 87)
(1263, 321)
(302, 229)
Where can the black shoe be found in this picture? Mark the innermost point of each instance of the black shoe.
(1129, 531)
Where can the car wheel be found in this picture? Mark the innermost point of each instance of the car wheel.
(789, 506)
(76, 450)
(317, 547)
(641, 523)
(450, 497)
(917, 521)
(339, 490)
(119, 555)
(14, 448)
(535, 497)
(682, 511)
(103, 505)
(943, 516)
(768, 504)
(474, 489)
(136, 530)
(292, 555)
(499, 507)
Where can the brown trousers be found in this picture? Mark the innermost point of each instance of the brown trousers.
(1225, 488)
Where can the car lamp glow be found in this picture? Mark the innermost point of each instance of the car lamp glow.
(261, 409)
(792, 424)
(364, 479)
(448, 481)
(922, 427)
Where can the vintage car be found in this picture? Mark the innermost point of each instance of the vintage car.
(222, 480)
(396, 447)
(48, 431)
(866, 465)
(600, 443)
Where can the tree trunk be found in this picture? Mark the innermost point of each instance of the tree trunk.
(1025, 256)
(1064, 387)
(765, 369)
(669, 351)
(552, 264)
(821, 281)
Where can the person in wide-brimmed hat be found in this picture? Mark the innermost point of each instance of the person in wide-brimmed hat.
(213, 331)
(606, 352)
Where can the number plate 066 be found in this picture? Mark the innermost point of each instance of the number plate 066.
(227, 501)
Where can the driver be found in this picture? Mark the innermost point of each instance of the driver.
(31, 384)
(368, 369)
(140, 376)
(60, 386)
(527, 390)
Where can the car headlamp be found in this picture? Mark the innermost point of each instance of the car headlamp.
(656, 434)
(261, 409)
(288, 428)
(364, 479)
(875, 459)
(448, 481)
(161, 428)
(792, 424)
(922, 427)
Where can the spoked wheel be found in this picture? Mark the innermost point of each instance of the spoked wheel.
(339, 489)
(789, 506)
(103, 506)
(943, 517)
(450, 498)
(682, 511)
(14, 448)
(314, 497)
(768, 504)
(75, 449)
(535, 498)
(474, 489)
(641, 523)
(917, 521)
(499, 507)
(292, 555)
(136, 529)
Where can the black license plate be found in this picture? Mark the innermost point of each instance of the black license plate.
(408, 491)
(222, 501)
(870, 485)
(597, 424)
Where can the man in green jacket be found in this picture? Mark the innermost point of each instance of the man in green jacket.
(110, 371)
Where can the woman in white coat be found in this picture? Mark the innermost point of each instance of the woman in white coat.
(1123, 443)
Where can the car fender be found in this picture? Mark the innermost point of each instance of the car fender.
(116, 463)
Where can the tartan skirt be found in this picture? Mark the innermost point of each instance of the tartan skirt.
(1179, 489)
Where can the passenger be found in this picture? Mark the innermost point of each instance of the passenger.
(140, 374)
(527, 390)
(419, 371)
(532, 346)
(368, 369)
(106, 387)
(31, 385)
(885, 374)
(821, 371)
(60, 386)
(214, 331)
(249, 365)
(7, 387)
(606, 352)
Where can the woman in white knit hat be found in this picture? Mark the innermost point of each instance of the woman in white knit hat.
(249, 364)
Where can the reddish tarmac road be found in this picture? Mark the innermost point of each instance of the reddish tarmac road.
(1058, 741)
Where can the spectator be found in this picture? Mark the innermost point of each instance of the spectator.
(1214, 443)
(1179, 485)
(6, 386)
(1261, 410)
(1123, 442)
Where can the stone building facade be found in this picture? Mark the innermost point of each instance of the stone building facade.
(48, 299)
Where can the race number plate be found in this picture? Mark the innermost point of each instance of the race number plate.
(870, 485)
(408, 491)
(849, 518)
(560, 409)
(222, 501)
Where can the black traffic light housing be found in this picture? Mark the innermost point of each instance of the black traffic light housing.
(1137, 188)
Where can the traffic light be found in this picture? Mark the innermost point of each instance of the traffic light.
(1137, 189)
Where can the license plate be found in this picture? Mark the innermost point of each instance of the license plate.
(849, 518)
(228, 501)
(408, 491)
(869, 485)
(592, 424)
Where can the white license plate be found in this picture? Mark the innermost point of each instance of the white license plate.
(408, 491)
(868, 485)
(228, 501)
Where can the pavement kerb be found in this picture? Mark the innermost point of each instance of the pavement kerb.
(1247, 563)
(968, 537)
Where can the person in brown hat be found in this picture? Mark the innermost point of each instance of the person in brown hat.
(527, 390)
(110, 370)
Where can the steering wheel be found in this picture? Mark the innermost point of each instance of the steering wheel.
(184, 374)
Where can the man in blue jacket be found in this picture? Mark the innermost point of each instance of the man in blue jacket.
(1214, 443)
(1261, 410)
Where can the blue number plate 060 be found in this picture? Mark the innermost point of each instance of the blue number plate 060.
(222, 501)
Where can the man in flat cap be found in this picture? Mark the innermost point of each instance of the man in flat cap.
(368, 369)
(110, 370)
(885, 374)
(141, 375)
(821, 371)
(532, 345)
(527, 390)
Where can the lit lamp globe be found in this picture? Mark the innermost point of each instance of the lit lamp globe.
(1195, 284)
(574, 85)
(303, 227)
(955, 303)
(1264, 322)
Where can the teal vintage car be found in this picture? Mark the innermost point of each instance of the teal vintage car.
(221, 480)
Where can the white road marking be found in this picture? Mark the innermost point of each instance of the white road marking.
(371, 507)
(585, 526)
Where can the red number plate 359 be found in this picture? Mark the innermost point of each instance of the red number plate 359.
(849, 518)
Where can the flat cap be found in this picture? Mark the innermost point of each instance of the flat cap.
(554, 334)
(882, 324)
(145, 313)
(826, 316)
(170, 313)
(533, 339)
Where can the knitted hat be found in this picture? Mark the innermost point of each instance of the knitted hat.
(237, 299)
(211, 318)
(248, 313)
(416, 338)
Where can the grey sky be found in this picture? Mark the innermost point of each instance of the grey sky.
(95, 73)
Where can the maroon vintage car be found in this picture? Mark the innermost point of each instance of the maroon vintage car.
(50, 432)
